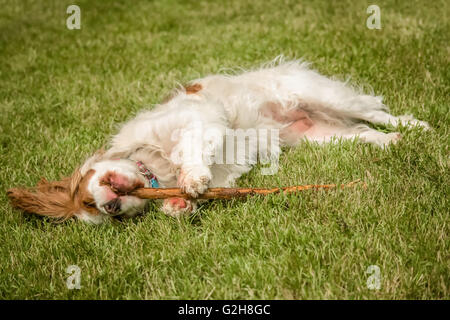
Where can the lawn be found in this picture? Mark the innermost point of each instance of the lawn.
(64, 92)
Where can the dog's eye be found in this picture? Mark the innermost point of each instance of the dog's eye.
(89, 204)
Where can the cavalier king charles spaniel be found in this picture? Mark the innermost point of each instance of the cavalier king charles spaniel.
(177, 143)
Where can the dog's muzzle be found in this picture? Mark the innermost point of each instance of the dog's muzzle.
(113, 206)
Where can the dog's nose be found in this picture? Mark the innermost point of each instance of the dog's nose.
(113, 206)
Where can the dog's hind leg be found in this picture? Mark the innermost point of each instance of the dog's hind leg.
(371, 109)
(382, 117)
(378, 138)
(295, 80)
(320, 124)
(323, 133)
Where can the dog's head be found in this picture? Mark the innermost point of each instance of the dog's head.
(97, 191)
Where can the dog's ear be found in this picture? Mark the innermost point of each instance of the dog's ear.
(56, 199)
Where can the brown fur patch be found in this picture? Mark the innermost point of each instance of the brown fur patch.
(56, 199)
(84, 197)
(189, 89)
(193, 88)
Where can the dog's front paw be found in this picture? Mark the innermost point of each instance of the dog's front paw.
(194, 180)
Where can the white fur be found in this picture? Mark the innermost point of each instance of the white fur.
(160, 136)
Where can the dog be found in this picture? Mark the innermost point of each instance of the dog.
(159, 147)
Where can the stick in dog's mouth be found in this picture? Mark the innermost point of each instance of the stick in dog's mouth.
(229, 193)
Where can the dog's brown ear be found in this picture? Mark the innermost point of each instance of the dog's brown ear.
(54, 199)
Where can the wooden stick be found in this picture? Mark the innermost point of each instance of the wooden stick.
(226, 193)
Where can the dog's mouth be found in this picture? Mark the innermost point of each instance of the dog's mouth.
(118, 187)
(118, 184)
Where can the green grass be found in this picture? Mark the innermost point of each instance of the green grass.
(64, 92)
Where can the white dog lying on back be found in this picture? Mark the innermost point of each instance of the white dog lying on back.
(162, 147)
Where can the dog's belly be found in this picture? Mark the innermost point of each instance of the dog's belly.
(295, 121)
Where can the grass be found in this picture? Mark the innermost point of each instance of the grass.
(64, 92)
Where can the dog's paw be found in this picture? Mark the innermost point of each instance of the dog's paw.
(381, 139)
(178, 207)
(410, 121)
(388, 139)
(194, 181)
(393, 138)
